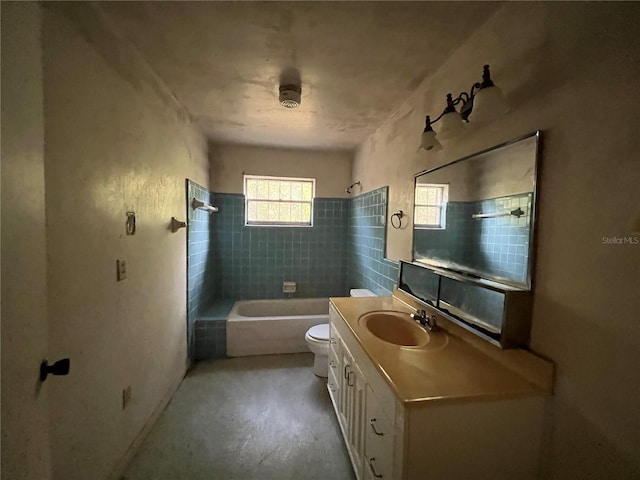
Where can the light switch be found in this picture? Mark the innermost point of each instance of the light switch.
(122, 269)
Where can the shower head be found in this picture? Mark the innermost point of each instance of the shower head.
(348, 190)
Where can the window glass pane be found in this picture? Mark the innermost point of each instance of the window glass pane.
(285, 212)
(274, 190)
(431, 196)
(273, 214)
(296, 212)
(433, 215)
(252, 211)
(307, 193)
(285, 190)
(263, 189)
(420, 215)
(263, 211)
(421, 195)
(252, 188)
(306, 212)
(438, 192)
(296, 191)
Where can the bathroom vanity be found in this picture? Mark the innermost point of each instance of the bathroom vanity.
(448, 406)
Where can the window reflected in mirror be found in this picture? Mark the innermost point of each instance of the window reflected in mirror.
(476, 215)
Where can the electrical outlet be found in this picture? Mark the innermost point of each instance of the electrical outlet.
(126, 396)
(121, 265)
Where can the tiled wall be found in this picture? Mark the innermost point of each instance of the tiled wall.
(252, 262)
(366, 244)
(503, 242)
(344, 249)
(200, 289)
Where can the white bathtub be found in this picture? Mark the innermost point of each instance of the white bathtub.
(261, 327)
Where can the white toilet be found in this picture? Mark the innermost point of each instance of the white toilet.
(317, 338)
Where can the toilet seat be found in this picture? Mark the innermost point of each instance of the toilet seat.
(319, 332)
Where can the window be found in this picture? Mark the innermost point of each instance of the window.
(279, 201)
(431, 205)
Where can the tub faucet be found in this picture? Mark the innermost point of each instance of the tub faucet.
(428, 322)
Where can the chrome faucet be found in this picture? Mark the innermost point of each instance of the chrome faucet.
(428, 322)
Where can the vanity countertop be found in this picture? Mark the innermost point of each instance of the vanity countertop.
(452, 366)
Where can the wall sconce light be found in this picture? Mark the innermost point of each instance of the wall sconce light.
(483, 103)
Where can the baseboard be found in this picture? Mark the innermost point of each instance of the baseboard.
(151, 421)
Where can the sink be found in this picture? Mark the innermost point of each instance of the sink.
(394, 327)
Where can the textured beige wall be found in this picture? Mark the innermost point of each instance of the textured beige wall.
(113, 143)
(331, 169)
(25, 417)
(570, 69)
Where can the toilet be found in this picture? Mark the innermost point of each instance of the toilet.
(317, 338)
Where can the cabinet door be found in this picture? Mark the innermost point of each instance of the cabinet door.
(379, 439)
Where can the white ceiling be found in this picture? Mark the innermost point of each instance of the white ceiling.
(357, 61)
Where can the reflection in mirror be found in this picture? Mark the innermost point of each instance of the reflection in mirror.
(476, 215)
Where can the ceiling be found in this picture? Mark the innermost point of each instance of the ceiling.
(357, 61)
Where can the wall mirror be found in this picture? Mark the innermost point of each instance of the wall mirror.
(476, 216)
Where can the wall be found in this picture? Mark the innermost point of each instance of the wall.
(115, 141)
(331, 169)
(570, 69)
(25, 429)
(252, 262)
(367, 267)
(200, 248)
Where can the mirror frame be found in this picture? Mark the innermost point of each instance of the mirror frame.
(471, 273)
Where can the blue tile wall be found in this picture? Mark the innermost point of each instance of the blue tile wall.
(200, 291)
(229, 261)
(367, 267)
(503, 241)
(252, 262)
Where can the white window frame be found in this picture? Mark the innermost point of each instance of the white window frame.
(247, 223)
(442, 206)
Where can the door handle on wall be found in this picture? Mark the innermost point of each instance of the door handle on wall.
(61, 367)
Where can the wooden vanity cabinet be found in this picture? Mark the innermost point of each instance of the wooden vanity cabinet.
(427, 440)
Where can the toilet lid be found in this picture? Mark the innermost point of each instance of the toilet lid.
(320, 332)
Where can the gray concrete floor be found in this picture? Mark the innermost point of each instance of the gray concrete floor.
(265, 417)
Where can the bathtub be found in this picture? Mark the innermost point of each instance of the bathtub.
(261, 327)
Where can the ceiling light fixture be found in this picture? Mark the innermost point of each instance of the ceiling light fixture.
(290, 96)
(483, 103)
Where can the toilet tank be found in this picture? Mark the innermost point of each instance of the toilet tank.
(361, 292)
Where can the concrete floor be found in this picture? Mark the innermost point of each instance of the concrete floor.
(265, 417)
